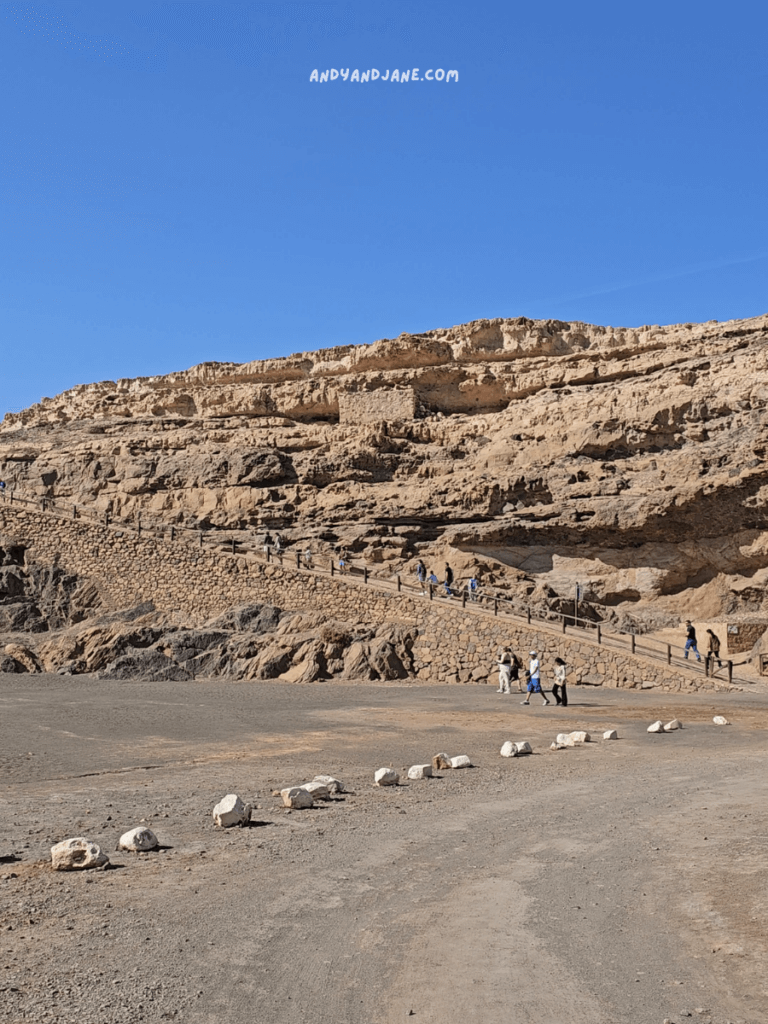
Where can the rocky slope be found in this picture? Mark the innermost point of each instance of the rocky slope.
(535, 453)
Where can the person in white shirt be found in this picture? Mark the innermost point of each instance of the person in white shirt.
(534, 679)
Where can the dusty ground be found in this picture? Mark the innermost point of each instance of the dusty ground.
(620, 882)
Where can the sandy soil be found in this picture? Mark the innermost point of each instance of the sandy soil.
(620, 882)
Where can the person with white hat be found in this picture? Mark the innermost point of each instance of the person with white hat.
(534, 679)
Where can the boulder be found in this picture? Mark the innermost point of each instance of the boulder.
(720, 720)
(334, 785)
(138, 840)
(420, 771)
(610, 734)
(296, 798)
(317, 790)
(673, 725)
(24, 656)
(656, 727)
(231, 811)
(386, 777)
(440, 761)
(523, 748)
(572, 739)
(76, 855)
(461, 761)
(509, 749)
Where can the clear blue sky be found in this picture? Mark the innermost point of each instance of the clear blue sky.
(174, 189)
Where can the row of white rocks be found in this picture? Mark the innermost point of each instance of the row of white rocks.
(80, 853)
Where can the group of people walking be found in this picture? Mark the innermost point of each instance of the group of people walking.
(510, 667)
(430, 579)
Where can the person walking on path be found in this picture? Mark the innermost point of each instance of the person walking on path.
(432, 580)
(690, 641)
(472, 588)
(534, 680)
(515, 673)
(713, 652)
(421, 575)
(504, 661)
(559, 691)
(448, 581)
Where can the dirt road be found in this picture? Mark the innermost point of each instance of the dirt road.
(620, 882)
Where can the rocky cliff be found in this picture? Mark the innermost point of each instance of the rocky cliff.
(534, 453)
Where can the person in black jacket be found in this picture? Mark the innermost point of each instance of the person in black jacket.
(690, 641)
(448, 581)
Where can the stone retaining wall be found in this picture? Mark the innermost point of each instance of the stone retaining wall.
(454, 645)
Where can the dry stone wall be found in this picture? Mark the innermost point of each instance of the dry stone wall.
(454, 644)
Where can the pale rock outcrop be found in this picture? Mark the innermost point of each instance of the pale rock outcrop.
(508, 749)
(610, 734)
(720, 720)
(420, 771)
(644, 445)
(230, 811)
(673, 725)
(386, 777)
(658, 726)
(524, 747)
(138, 840)
(440, 762)
(77, 855)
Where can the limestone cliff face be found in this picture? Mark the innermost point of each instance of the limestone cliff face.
(537, 453)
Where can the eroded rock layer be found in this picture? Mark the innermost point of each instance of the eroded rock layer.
(533, 453)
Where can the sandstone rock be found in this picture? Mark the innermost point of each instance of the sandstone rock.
(317, 790)
(720, 720)
(509, 749)
(231, 811)
(24, 656)
(296, 798)
(440, 762)
(523, 748)
(334, 785)
(610, 734)
(386, 777)
(673, 725)
(657, 726)
(138, 840)
(76, 855)
(461, 761)
(420, 771)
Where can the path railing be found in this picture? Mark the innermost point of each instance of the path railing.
(330, 563)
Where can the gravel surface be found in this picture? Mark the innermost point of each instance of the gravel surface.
(623, 881)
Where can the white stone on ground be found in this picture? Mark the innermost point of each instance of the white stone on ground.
(572, 739)
(138, 840)
(462, 761)
(420, 771)
(386, 777)
(656, 727)
(334, 785)
(509, 749)
(720, 720)
(440, 761)
(610, 734)
(671, 726)
(231, 811)
(317, 790)
(296, 798)
(523, 748)
(77, 854)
